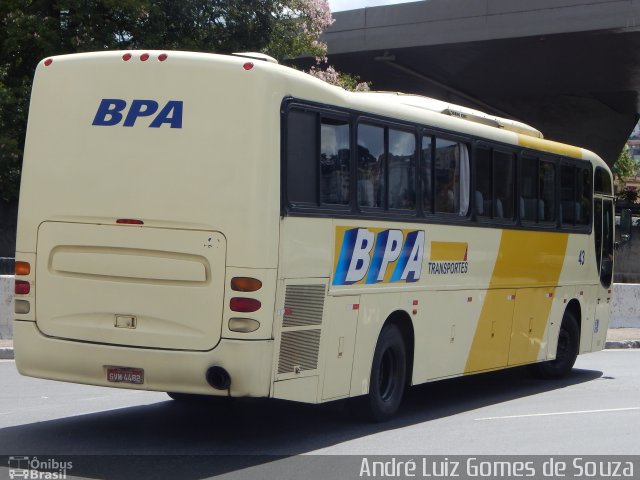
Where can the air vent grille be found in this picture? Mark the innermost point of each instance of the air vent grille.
(303, 305)
(299, 351)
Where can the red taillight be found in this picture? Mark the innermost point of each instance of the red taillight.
(22, 287)
(23, 268)
(126, 57)
(248, 66)
(144, 57)
(129, 221)
(244, 305)
(162, 57)
(48, 62)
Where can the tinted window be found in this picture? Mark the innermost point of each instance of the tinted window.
(529, 206)
(401, 165)
(451, 177)
(334, 161)
(370, 166)
(603, 181)
(427, 175)
(483, 198)
(584, 196)
(504, 183)
(302, 147)
(569, 207)
(547, 192)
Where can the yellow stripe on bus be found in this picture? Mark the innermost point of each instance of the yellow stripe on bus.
(516, 308)
(549, 146)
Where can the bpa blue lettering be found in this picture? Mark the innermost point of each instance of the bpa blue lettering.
(171, 114)
(140, 108)
(109, 112)
(409, 266)
(387, 250)
(354, 259)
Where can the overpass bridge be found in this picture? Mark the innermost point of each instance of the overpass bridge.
(568, 67)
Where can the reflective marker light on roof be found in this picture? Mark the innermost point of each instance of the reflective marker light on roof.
(248, 66)
(162, 57)
(48, 62)
(126, 57)
(144, 57)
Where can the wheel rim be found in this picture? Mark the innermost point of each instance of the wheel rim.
(387, 374)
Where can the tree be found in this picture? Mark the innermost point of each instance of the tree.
(33, 29)
(330, 75)
(625, 166)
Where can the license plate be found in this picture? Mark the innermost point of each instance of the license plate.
(125, 375)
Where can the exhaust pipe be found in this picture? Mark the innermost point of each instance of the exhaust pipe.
(218, 378)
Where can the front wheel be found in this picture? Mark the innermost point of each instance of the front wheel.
(566, 353)
(388, 374)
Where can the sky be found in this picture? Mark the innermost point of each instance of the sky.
(340, 5)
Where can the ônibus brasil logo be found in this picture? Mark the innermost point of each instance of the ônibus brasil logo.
(38, 468)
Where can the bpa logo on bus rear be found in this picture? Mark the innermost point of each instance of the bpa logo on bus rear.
(112, 111)
(376, 255)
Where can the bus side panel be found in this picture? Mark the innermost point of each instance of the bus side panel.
(444, 331)
(588, 301)
(338, 344)
(601, 324)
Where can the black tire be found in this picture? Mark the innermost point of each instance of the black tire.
(566, 353)
(388, 374)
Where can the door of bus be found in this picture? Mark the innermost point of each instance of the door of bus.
(603, 234)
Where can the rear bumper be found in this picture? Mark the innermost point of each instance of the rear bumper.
(248, 363)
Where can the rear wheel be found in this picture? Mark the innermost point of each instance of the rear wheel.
(388, 374)
(566, 353)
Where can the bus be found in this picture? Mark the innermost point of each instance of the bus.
(202, 224)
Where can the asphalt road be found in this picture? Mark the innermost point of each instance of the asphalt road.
(596, 411)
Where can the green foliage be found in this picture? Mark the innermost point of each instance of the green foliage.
(33, 29)
(624, 166)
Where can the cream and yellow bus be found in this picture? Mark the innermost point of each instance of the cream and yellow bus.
(216, 225)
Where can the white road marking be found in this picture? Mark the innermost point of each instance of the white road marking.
(606, 410)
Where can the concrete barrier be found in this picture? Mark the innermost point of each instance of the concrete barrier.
(6, 306)
(625, 306)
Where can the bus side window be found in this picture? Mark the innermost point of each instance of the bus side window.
(584, 196)
(401, 164)
(302, 157)
(451, 177)
(334, 161)
(569, 208)
(371, 166)
(426, 174)
(503, 180)
(529, 189)
(547, 203)
(483, 198)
